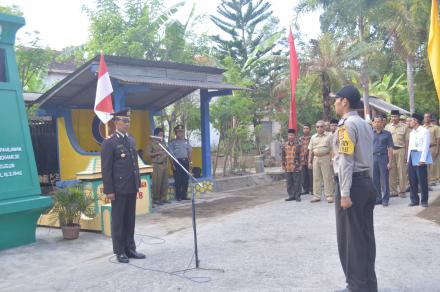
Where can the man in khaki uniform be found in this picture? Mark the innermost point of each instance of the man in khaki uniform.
(398, 172)
(160, 168)
(434, 133)
(320, 161)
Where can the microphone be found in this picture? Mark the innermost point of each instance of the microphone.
(156, 137)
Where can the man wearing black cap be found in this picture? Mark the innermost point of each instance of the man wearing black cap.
(355, 193)
(291, 162)
(398, 172)
(121, 179)
(182, 150)
(417, 159)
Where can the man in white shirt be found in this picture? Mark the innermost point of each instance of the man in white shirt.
(418, 174)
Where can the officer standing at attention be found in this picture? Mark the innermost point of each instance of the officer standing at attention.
(182, 150)
(121, 179)
(355, 194)
(400, 133)
(160, 167)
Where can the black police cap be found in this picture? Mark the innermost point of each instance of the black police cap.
(122, 113)
(291, 131)
(334, 121)
(178, 128)
(395, 113)
(351, 93)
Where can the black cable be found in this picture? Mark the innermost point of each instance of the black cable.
(178, 273)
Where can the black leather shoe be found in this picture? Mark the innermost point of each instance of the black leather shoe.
(289, 199)
(298, 199)
(135, 255)
(425, 205)
(186, 199)
(385, 204)
(122, 258)
(412, 204)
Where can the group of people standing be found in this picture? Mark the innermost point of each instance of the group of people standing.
(308, 159)
(358, 165)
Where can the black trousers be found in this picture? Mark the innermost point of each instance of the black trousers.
(418, 175)
(181, 179)
(307, 179)
(355, 235)
(293, 184)
(123, 221)
(381, 176)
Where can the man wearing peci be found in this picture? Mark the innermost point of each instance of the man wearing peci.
(121, 179)
(418, 158)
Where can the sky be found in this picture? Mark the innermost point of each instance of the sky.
(62, 23)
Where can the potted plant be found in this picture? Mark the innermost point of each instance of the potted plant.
(69, 204)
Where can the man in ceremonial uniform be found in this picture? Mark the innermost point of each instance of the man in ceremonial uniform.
(160, 167)
(121, 179)
(355, 194)
(320, 157)
(434, 134)
(182, 150)
(291, 162)
(398, 173)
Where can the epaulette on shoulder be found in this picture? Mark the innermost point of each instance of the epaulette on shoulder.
(341, 122)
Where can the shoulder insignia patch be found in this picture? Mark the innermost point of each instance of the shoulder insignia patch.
(346, 146)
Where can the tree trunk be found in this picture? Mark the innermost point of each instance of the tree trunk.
(364, 70)
(410, 80)
(325, 97)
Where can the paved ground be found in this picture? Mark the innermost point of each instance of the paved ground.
(261, 243)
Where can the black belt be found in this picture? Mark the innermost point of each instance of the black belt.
(397, 147)
(364, 173)
(184, 159)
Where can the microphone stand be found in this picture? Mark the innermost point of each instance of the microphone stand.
(195, 181)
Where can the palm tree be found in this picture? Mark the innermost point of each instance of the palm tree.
(328, 62)
(405, 22)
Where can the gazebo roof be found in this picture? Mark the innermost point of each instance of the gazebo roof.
(146, 84)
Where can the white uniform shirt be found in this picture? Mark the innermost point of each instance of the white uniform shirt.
(419, 140)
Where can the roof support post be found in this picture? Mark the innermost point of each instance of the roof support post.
(205, 98)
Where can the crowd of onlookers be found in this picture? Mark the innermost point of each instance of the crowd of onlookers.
(308, 159)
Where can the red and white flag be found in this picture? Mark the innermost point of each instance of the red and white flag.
(103, 100)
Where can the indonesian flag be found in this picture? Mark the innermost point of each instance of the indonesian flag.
(294, 74)
(103, 100)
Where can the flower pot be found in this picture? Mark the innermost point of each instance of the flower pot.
(70, 232)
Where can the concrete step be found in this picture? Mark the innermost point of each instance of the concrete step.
(246, 181)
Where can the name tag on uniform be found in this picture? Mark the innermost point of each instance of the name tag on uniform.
(346, 146)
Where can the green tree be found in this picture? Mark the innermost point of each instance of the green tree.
(328, 62)
(348, 18)
(404, 22)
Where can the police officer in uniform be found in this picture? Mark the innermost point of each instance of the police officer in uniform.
(121, 179)
(160, 167)
(355, 194)
(182, 150)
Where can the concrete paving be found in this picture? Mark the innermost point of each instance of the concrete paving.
(261, 243)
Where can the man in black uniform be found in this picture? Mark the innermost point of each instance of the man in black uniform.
(121, 179)
(355, 193)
